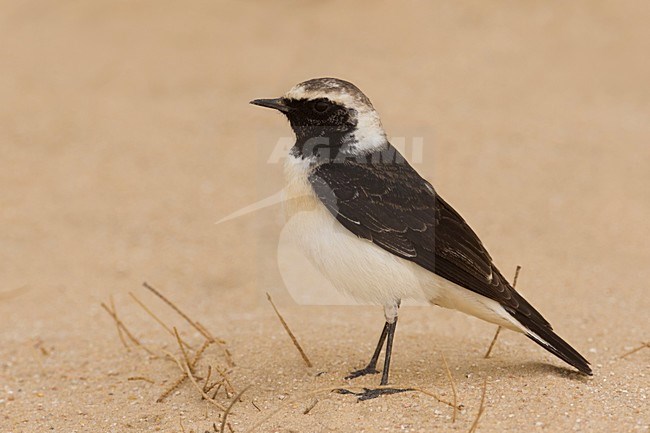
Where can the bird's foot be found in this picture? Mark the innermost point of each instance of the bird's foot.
(362, 372)
(369, 394)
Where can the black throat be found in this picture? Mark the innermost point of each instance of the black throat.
(323, 128)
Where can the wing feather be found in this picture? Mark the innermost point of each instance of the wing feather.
(389, 204)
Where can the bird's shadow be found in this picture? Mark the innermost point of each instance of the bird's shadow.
(544, 369)
(493, 367)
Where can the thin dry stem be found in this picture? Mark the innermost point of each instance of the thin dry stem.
(154, 317)
(514, 281)
(216, 391)
(207, 379)
(227, 412)
(209, 388)
(212, 337)
(119, 330)
(186, 368)
(171, 389)
(644, 345)
(227, 383)
(125, 329)
(293, 337)
(145, 379)
(481, 409)
(181, 379)
(199, 353)
(496, 334)
(310, 407)
(255, 406)
(494, 340)
(180, 344)
(228, 356)
(205, 396)
(200, 329)
(189, 370)
(226, 353)
(453, 388)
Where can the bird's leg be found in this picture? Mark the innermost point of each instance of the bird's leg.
(389, 350)
(387, 334)
(371, 368)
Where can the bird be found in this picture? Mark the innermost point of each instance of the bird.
(379, 231)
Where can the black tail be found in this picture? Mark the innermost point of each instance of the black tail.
(550, 341)
(539, 329)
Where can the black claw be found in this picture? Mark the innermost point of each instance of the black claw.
(362, 372)
(369, 394)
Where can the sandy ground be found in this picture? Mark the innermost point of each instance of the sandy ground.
(125, 134)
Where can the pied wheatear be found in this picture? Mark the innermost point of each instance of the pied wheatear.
(380, 232)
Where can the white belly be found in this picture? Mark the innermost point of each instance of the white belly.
(354, 266)
(363, 270)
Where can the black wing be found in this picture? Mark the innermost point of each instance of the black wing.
(389, 204)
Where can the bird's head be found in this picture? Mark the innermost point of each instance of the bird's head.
(330, 117)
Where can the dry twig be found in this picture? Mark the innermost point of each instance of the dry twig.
(226, 352)
(310, 407)
(154, 317)
(189, 364)
(216, 391)
(199, 328)
(195, 324)
(209, 388)
(496, 334)
(644, 345)
(178, 382)
(453, 388)
(286, 328)
(119, 330)
(494, 340)
(171, 389)
(230, 389)
(121, 325)
(481, 409)
(207, 379)
(146, 379)
(180, 344)
(188, 373)
(227, 412)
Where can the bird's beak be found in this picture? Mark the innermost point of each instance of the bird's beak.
(276, 104)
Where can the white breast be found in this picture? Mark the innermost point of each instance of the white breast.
(361, 269)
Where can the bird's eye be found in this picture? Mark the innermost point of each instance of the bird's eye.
(321, 107)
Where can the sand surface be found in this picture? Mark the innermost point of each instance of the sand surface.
(125, 133)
